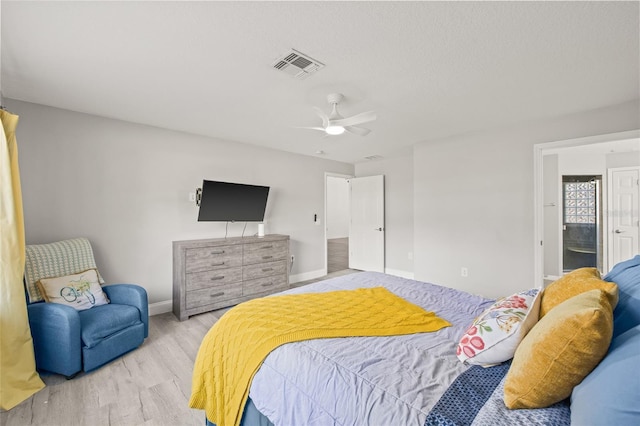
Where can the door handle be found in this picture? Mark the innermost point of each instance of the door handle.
(379, 229)
(617, 231)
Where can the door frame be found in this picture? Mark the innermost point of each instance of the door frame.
(326, 252)
(538, 152)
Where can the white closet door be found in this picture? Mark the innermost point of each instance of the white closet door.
(624, 206)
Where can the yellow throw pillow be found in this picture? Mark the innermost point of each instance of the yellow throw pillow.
(80, 291)
(574, 283)
(560, 351)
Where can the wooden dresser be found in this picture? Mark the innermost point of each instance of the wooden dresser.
(216, 273)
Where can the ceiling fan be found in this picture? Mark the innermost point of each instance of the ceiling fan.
(334, 124)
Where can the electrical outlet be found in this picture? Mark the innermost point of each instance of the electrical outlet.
(464, 272)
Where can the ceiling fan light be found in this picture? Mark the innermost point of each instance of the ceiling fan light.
(334, 130)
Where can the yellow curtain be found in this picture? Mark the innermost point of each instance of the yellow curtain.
(18, 377)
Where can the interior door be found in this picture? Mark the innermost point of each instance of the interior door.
(366, 230)
(624, 204)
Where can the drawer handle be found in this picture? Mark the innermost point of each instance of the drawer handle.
(267, 257)
(217, 295)
(267, 247)
(267, 269)
(217, 252)
(267, 284)
(217, 278)
(217, 264)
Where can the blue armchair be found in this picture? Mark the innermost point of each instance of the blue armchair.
(66, 340)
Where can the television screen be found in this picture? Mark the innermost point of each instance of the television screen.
(232, 202)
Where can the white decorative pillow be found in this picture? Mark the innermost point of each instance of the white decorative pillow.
(495, 335)
(80, 291)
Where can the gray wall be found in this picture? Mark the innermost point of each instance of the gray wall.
(473, 200)
(462, 201)
(622, 159)
(398, 182)
(125, 186)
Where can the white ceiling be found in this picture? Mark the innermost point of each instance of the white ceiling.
(429, 69)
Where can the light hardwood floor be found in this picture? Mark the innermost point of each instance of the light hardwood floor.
(337, 254)
(149, 386)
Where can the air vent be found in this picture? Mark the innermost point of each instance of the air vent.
(297, 64)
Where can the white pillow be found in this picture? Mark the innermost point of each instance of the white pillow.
(494, 336)
(80, 291)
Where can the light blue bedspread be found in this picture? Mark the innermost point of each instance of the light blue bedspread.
(395, 380)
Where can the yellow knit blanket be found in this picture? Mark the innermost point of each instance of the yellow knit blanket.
(234, 348)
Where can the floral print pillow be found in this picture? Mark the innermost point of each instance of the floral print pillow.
(494, 336)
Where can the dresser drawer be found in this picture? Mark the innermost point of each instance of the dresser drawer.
(209, 258)
(265, 285)
(217, 273)
(216, 277)
(266, 269)
(207, 296)
(265, 251)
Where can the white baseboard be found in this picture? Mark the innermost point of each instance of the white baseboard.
(160, 307)
(399, 273)
(307, 276)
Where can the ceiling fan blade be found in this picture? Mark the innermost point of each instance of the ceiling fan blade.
(311, 128)
(357, 130)
(321, 114)
(363, 117)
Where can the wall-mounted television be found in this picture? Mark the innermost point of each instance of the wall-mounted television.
(232, 202)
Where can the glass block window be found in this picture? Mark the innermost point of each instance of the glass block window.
(580, 202)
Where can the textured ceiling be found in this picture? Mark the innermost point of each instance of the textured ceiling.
(429, 69)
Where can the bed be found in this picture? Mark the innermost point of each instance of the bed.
(419, 379)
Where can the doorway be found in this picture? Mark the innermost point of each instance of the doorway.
(354, 232)
(581, 222)
(337, 223)
(591, 157)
